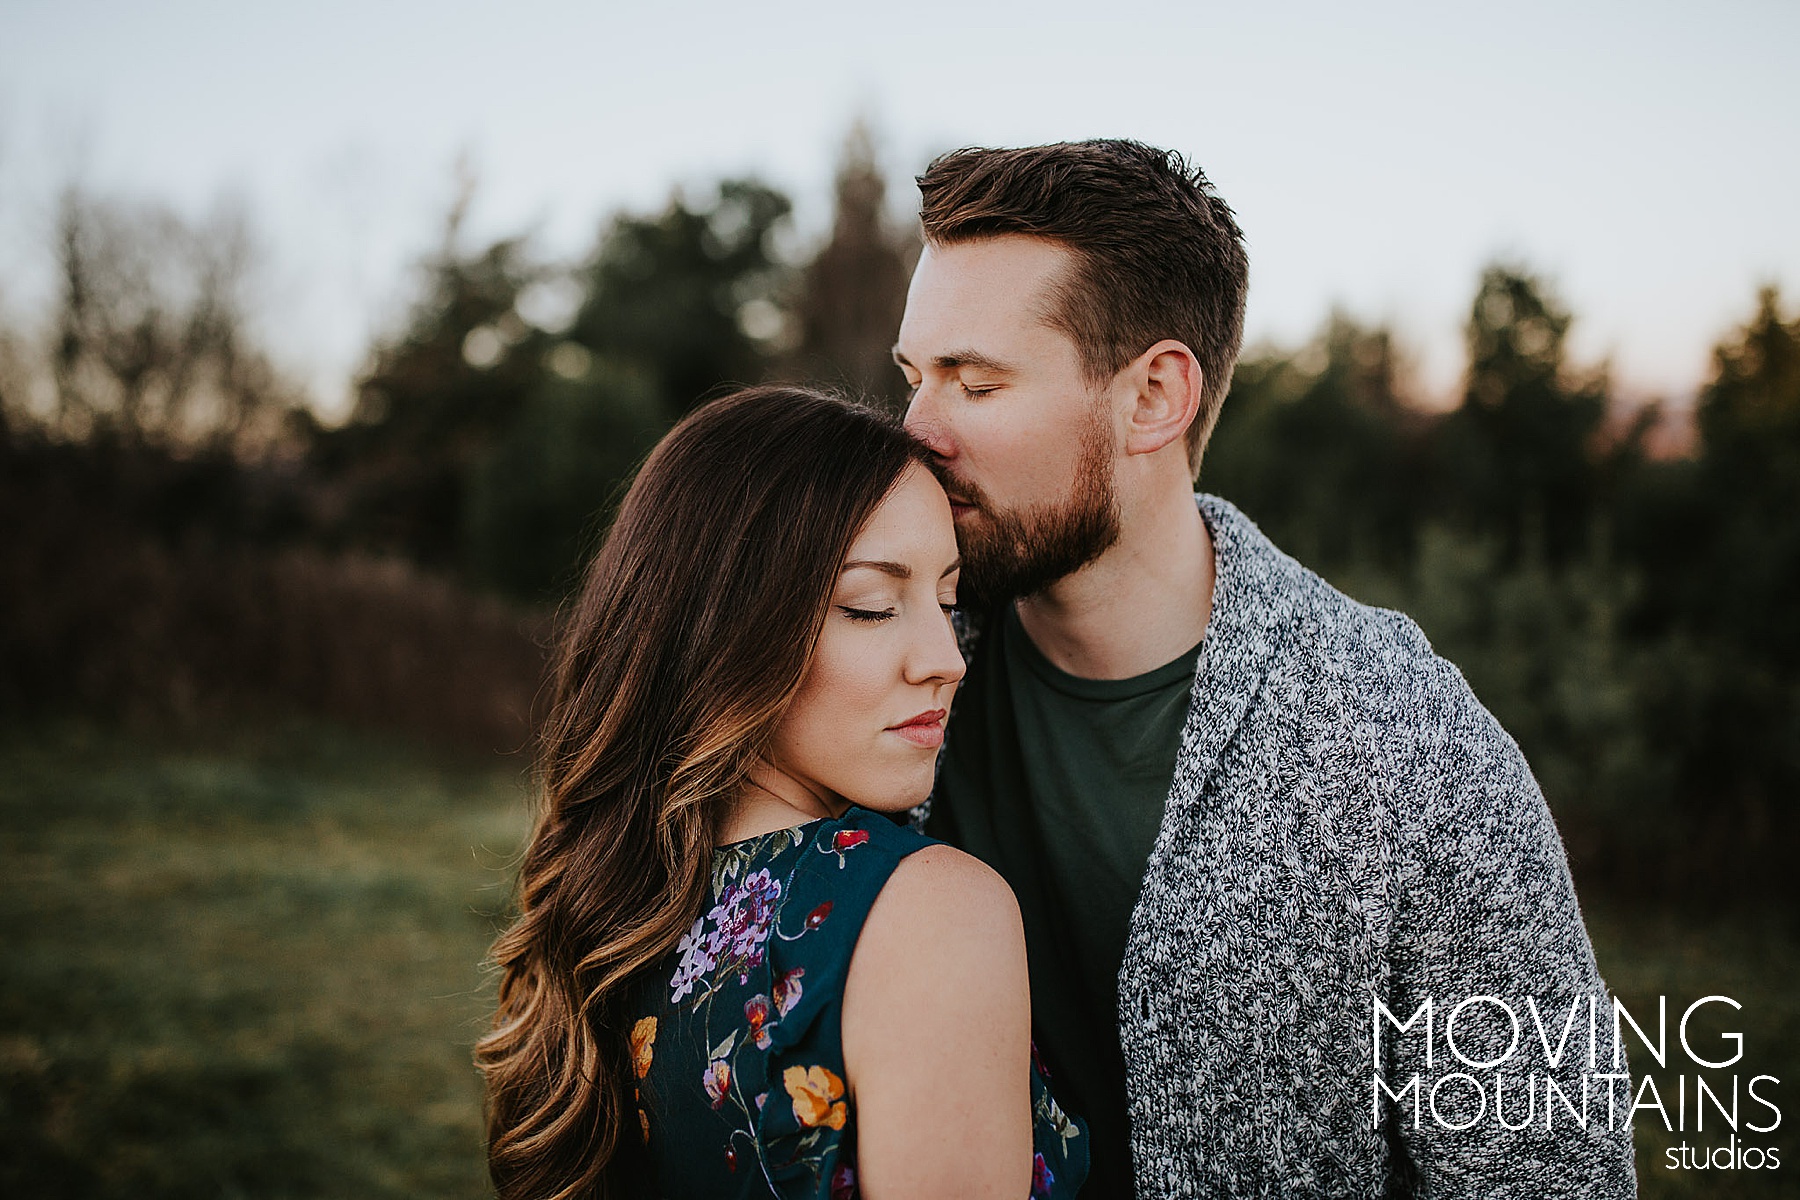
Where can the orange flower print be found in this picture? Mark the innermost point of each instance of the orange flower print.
(643, 1039)
(818, 1096)
(644, 1122)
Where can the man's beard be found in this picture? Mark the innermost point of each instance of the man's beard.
(1010, 554)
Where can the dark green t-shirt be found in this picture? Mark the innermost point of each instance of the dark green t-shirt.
(1058, 783)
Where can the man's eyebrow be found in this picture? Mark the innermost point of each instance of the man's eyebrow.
(961, 358)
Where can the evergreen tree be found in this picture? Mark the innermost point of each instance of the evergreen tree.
(684, 296)
(433, 402)
(853, 292)
(1518, 457)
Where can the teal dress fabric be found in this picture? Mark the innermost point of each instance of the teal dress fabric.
(736, 1039)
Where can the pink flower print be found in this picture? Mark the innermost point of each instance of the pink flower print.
(756, 1011)
(817, 916)
(760, 1097)
(698, 956)
(843, 1182)
(742, 920)
(1041, 1178)
(787, 990)
(717, 1080)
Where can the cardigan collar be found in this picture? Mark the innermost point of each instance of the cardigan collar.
(1256, 595)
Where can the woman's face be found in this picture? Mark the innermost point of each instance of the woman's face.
(867, 722)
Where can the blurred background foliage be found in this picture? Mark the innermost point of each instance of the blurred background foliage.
(1619, 586)
(194, 561)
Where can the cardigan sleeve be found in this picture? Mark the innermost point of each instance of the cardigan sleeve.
(1493, 979)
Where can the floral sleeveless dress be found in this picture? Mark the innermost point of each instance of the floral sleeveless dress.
(736, 1043)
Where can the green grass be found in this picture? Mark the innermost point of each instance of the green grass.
(250, 965)
(246, 968)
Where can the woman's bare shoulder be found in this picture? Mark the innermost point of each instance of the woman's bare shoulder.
(944, 936)
(941, 890)
(937, 1032)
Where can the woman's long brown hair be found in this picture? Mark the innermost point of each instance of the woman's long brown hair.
(691, 633)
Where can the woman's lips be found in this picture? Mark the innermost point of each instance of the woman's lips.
(926, 729)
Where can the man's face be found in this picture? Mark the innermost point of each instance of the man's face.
(1024, 443)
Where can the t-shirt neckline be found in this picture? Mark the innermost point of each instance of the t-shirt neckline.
(1019, 642)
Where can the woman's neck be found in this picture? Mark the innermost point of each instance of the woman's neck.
(772, 800)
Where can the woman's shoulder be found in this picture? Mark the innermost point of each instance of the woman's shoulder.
(936, 1030)
(863, 892)
(912, 916)
(946, 890)
(944, 919)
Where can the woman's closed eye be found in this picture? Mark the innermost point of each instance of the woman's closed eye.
(870, 615)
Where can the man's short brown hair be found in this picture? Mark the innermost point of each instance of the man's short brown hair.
(1158, 252)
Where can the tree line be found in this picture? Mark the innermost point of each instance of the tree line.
(1627, 611)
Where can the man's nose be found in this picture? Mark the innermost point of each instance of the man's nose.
(925, 422)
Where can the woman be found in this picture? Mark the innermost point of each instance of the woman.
(730, 973)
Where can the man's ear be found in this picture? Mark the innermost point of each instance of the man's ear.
(1166, 381)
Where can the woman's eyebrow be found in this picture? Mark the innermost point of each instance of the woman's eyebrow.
(897, 570)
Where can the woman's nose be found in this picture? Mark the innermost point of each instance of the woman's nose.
(935, 656)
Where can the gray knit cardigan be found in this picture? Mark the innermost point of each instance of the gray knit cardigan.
(1348, 824)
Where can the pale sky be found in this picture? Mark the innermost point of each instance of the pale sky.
(1639, 154)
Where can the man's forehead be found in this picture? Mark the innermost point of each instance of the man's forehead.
(1003, 262)
(966, 293)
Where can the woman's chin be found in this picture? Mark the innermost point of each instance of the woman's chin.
(893, 801)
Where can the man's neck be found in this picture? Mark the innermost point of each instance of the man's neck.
(1143, 603)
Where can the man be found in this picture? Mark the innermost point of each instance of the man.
(1245, 816)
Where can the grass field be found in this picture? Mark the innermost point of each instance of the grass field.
(249, 966)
